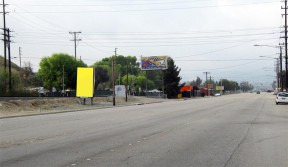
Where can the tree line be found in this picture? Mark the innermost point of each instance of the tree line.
(62, 68)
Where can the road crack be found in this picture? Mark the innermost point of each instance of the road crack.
(245, 136)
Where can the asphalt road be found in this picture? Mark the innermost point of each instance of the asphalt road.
(244, 130)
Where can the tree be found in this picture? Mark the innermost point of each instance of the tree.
(28, 77)
(156, 77)
(172, 79)
(228, 85)
(121, 64)
(3, 82)
(196, 82)
(246, 86)
(141, 82)
(101, 76)
(17, 85)
(51, 71)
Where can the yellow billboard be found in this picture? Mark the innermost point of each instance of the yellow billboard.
(85, 82)
(219, 87)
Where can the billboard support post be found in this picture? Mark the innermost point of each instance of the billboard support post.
(155, 63)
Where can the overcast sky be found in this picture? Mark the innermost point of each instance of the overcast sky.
(215, 36)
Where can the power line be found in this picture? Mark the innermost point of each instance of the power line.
(59, 27)
(224, 60)
(163, 32)
(127, 4)
(101, 50)
(205, 53)
(197, 37)
(225, 68)
(143, 10)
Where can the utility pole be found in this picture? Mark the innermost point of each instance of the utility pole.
(63, 80)
(113, 74)
(75, 39)
(207, 82)
(119, 79)
(286, 59)
(9, 55)
(126, 99)
(163, 84)
(210, 83)
(222, 87)
(20, 53)
(5, 35)
(281, 76)
(277, 73)
(146, 83)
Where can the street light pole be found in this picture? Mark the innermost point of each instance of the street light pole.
(280, 57)
(278, 72)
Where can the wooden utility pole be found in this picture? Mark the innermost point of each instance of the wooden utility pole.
(75, 39)
(286, 59)
(9, 57)
(113, 75)
(5, 35)
(126, 80)
(207, 82)
(281, 76)
(20, 54)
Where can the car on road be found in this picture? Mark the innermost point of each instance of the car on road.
(217, 94)
(258, 92)
(281, 97)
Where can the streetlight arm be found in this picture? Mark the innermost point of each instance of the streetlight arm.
(268, 46)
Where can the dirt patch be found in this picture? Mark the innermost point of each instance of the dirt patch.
(36, 106)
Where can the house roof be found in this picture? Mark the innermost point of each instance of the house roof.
(186, 88)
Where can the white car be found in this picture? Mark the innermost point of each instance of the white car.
(282, 97)
(217, 94)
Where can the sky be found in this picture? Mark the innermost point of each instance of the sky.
(215, 36)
